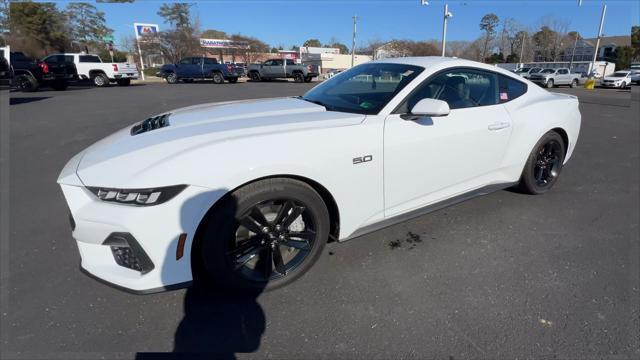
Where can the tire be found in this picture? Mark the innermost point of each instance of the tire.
(254, 76)
(550, 84)
(100, 80)
(124, 82)
(574, 83)
(233, 80)
(59, 85)
(298, 77)
(217, 78)
(172, 78)
(26, 83)
(243, 267)
(307, 79)
(543, 165)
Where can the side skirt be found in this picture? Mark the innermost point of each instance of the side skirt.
(427, 209)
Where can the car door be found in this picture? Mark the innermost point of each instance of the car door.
(277, 68)
(185, 68)
(562, 77)
(432, 158)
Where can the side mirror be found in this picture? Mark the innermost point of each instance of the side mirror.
(428, 107)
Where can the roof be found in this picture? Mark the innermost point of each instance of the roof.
(442, 62)
(620, 40)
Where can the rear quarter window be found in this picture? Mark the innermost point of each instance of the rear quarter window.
(510, 88)
(88, 59)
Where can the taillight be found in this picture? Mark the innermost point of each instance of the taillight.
(230, 67)
(309, 68)
(44, 67)
(115, 67)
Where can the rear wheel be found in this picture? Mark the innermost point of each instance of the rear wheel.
(264, 235)
(550, 83)
(124, 82)
(217, 78)
(307, 79)
(298, 77)
(574, 83)
(100, 80)
(543, 165)
(26, 83)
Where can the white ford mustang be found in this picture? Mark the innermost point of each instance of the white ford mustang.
(247, 193)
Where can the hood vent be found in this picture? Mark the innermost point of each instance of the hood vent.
(151, 123)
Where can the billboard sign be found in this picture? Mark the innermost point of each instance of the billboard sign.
(223, 44)
(146, 30)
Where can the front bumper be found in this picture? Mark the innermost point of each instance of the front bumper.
(611, 85)
(156, 231)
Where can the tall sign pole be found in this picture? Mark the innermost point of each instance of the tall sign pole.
(444, 27)
(595, 51)
(353, 40)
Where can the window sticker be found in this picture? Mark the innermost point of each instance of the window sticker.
(504, 96)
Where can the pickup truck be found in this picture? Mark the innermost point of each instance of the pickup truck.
(101, 74)
(198, 67)
(526, 72)
(555, 77)
(278, 68)
(54, 71)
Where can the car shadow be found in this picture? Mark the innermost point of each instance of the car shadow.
(217, 323)
(26, 100)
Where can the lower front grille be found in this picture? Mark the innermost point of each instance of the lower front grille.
(128, 253)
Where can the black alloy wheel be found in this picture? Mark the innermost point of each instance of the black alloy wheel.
(262, 236)
(298, 77)
(544, 165)
(272, 239)
(254, 76)
(26, 83)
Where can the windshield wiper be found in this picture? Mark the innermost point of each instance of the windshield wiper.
(327, 107)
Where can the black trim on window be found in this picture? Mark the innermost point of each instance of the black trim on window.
(396, 111)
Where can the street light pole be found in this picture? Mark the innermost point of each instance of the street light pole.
(573, 53)
(524, 37)
(353, 40)
(444, 27)
(595, 51)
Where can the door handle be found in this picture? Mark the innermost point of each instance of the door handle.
(498, 125)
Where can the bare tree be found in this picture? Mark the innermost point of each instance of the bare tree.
(488, 24)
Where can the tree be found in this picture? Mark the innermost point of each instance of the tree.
(635, 42)
(37, 28)
(312, 43)
(295, 48)
(274, 50)
(342, 47)
(495, 58)
(182, 40)
(623, 56)
(488, 24)
(544, 41)
(250, 55)
(87, 25)
(213, 34)
(519, 44)
(176, 14)
(4, 19)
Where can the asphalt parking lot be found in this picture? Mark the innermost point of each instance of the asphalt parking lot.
(502, 276)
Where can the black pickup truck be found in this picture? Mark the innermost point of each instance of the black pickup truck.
(29, 74)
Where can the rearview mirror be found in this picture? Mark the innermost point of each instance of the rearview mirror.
(430, 107)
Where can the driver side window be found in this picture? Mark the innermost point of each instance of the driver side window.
(460, 88)
(185, 61)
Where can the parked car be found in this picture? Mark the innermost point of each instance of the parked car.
(555, 77)
(635, 76)
(29, 74)
(6, 71)
(278, 68)
(196, 68)
(90, 66)
(527, 71)
(249, 192)
(619, 79)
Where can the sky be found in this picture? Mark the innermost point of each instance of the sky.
(291, 22)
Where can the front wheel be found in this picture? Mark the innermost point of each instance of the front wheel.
(543, 165)
(172, 78)
(264, 235)
(574, 83)
(550, 84)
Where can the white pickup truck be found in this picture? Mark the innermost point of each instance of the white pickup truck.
(554, 77)
(102, 74)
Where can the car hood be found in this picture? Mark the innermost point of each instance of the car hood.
(109, 161)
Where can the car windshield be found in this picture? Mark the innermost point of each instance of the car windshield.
(364, 89)
(620, 74)
(523, 70)
(547, 71)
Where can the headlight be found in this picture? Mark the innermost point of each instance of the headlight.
(141, 197)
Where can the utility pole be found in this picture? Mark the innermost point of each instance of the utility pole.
(595, 51)
(524, 37)
(573, 53)
(353, 40)
(444, 27)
